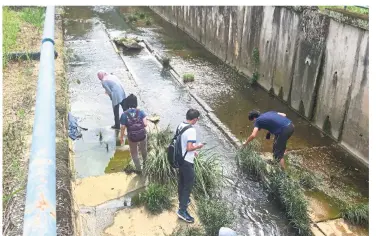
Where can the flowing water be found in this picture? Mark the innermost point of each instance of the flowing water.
(90, 50)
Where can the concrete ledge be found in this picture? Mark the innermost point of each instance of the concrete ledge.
(340, 227)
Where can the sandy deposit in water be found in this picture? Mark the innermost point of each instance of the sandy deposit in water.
(138, 222)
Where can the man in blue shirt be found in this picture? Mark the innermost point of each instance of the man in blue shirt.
(275, 123)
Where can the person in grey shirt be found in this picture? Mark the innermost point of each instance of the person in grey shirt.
(115, 91)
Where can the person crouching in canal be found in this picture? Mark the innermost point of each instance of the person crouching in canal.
(115, 91)
(135, 121)
(275, 123)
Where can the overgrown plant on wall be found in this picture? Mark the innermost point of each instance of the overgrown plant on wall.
(255, 63)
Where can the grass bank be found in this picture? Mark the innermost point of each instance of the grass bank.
(22, 32)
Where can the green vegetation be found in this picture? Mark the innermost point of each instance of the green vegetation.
(156, 198)
(291, 195)
(250, 161)
(255, 63)
(162, 138)
(34, 16)
(12, 22)
(353, 9)
(11, 27)
(214, 214)
(148, 22)
(284, 188)
(356, 214)
(132, 18)
(188, 78)
(166, 62)
(158, 169)
(188, 231)
(255, 57)
(208, 175)
(255, 77)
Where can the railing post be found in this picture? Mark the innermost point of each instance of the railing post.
(40, 206)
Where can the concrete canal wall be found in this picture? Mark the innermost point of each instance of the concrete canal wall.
(316, 63)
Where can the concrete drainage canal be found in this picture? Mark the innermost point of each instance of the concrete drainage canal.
(101, 187)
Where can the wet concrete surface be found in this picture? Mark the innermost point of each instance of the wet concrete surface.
(160, 94)
(227, 93)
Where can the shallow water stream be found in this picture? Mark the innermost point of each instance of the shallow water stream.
(229, 94)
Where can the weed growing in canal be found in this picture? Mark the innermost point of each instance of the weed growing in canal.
(148, 22)
(188, 78)
(356, 214)
(100, 135)
(130, 168)
(291, 195)
(188, 231)
(158, 169)
(132, 18)
(141, 15)
(214, 214)
(250, 160)
(162, 138)
(156, 198)
(255, 57)
(307, 180)
(208, 175)
(255, 62)
(255, 77)
(166, 62)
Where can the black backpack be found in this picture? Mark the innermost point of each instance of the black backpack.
(174, 150)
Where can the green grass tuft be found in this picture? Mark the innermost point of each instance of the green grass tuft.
(353, 9)
(158, 168)
(148, 22)
(250, 161)
(214, 214)
(11, 27)
(156, 198)
(291, 195)
(188, 231)
(166, 62)
(34, 15)
(188, 78)
(356, 214)
(255, 77)
(208, 175)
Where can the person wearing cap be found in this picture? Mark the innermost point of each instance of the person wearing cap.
(275, 123)
(114, 89)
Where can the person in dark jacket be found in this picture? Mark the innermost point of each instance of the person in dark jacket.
(275, 123)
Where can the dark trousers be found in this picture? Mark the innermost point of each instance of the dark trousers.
(116, 112)
(185, 185)
(280, 142)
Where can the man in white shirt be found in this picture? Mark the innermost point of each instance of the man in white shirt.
(186, 170)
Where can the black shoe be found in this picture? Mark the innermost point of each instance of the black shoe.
(185, 216)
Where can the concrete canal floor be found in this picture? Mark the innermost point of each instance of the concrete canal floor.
(101, 187)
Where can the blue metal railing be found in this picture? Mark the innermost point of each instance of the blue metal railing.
(40, 206)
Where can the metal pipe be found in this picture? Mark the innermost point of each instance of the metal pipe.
(40, 206)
